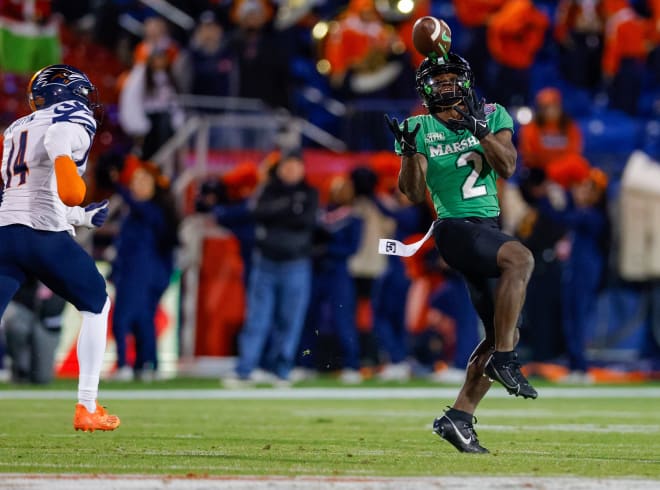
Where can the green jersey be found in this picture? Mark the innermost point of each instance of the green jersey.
(460, 180)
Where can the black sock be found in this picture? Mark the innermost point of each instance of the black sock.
(460, 415)
(501, 357)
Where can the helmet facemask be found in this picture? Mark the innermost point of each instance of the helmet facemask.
(439, 95)
(442, 94)
(91, 96)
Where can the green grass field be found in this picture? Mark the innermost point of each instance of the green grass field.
(604, 437)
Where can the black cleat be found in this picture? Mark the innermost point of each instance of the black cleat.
(509, 375)
(459, 434)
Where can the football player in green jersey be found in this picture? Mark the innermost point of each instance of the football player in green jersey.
(457, 151)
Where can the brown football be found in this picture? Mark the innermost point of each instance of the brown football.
(431, 37)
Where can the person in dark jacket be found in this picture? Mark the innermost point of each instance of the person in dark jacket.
(143, 266)
(280, 279)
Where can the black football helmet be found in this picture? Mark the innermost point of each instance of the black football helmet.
(442, 95)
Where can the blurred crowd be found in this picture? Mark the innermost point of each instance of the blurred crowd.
(297, 284)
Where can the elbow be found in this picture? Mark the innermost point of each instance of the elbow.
(508, 171)
(509, 167)
(416, 197)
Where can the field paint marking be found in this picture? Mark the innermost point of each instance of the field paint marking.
(325, 394)
(529, 413)
(594, 428)
(104, 482)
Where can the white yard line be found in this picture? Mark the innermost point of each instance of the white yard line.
(326, 393)
(138, 482)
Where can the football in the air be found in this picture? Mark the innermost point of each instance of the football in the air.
(431, 37)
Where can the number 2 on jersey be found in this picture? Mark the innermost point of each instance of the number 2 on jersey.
(19, 166)
(469, 188)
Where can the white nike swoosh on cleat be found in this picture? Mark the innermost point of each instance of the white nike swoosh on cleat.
(460, 436)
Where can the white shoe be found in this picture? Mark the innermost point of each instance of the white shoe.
(148, 375)
(256, 377)
(233, 382)
(261, 376)
(281, 383)
(124, 374)
(395, 372)
(350, 377)
(577, 378)
(448, 375)
(302, 374)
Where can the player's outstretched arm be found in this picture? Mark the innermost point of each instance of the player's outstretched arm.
(412, 177)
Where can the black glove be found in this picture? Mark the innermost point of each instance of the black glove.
(407, 139)
(474, 117)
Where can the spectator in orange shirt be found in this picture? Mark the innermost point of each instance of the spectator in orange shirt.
(551, 134)
(579, 31)
(515, 34)
(627, 44)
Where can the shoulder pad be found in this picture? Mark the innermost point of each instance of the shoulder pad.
(75, 112)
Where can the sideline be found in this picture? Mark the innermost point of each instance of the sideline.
(326, 393)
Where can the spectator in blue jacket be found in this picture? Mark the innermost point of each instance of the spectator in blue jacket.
(585, 218)
(143, 265)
